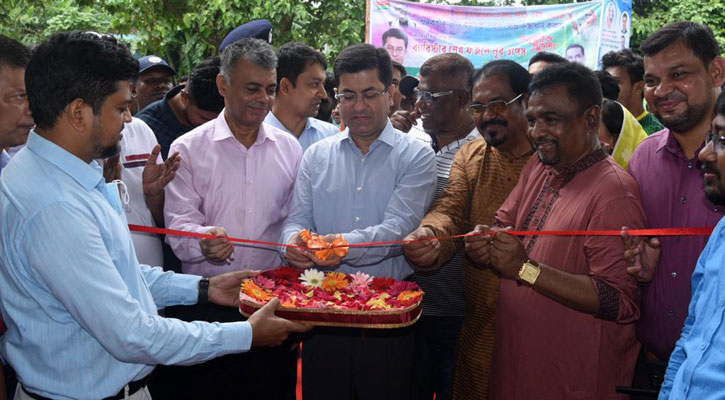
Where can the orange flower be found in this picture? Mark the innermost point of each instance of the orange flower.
(409, 296)
(254, 291)
(305, 235)
(334, 281)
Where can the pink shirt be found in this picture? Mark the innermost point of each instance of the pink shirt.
(222, 183)
(544, 349)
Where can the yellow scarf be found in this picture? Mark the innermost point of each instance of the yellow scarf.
(630, 137)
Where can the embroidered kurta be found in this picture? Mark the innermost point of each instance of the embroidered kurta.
(544, 349)
(480, 180)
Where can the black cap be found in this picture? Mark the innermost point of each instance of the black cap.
(407, 84)
(259, 28)
(147, 62)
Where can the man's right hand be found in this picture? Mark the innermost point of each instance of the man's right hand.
(478, 246)
(642, 255)
(297, 256)
(425, 249)
(271, 330)
(219, 249)
(404, 120)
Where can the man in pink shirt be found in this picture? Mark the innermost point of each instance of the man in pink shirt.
(235, 179)
(564, 319)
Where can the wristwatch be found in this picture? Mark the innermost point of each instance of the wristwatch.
(529, 272)
(203, 291)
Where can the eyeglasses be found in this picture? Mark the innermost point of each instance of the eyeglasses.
(718, 140)
(498, 106)
(428, 97)
(350, 98)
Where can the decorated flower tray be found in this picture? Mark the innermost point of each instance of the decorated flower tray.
(334, 298)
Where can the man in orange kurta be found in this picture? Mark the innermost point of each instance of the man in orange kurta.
(564, 322)
(483, 173)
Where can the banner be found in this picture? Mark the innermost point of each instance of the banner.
(581, 32)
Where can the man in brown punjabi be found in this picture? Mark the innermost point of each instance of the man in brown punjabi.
(564, 321)
(483, 173)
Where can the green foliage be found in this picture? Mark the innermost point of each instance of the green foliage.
(186, 31)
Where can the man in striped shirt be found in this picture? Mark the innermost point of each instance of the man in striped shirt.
(442, 97)
(482, 175)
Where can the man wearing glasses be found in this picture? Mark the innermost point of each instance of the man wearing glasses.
(371, 183)
(483, 173)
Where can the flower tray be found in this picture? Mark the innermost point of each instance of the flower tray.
(334, 299)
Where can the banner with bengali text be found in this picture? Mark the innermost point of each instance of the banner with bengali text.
(414, 32)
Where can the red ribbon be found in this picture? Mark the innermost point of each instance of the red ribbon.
(702, 231)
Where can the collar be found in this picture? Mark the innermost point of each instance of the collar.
(173, 92)
(387, 136)
(274, 121)
(669, 142)
(460, 142)
(4, 159)
(644, 114)
(223, 132)
(568, 173)
(88, 175)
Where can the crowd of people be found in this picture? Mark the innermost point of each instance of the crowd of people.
(261, 143)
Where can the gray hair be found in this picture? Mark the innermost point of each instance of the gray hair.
(256, 51)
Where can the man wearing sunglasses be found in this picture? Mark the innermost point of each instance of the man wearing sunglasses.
(370, 183)
(482, 175)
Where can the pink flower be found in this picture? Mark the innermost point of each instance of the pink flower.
(264, 283)
(360, 279)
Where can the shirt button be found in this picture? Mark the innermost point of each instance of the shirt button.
(674, 274)
(670, 313)
(683, 199)
(250, 181)
(249, 210)
(357, 219)
(359, 188)
(702, 346)
(689, 165)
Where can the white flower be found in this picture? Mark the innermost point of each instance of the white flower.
(312, 278)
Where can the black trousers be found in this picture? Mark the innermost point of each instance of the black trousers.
(357, 364)
(263, 373)
(435, 348)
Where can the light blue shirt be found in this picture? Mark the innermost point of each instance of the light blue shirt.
(81, 312)
(315, 130)
(376, 197)
(4, 159)
(696, 368)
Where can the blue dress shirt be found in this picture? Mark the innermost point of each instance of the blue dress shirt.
(697, 365)
(4, 159)
(374, 197)
(81, 312)
(315, 130)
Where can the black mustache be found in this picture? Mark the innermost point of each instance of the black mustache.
(710, 168)
(486, 124)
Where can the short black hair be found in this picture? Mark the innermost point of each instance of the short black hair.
(13, 53)
(519, 78)
(330, 84)
(574, 45)
(455, 68)
(697, 37)
(610, 87)
(633, 63)
(74, 65)
(612, 117)
(547, 57)
(401, 68)
(582, 85)
(363, 57)
(293, 58)
(396, 33)
(202, 88)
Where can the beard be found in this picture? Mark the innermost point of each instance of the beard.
(687, 120)
(548, 159)
(499, 136)
(104, 151)
(714, 190)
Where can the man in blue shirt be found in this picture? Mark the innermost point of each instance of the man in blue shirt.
(81, 312)
(300, 91)
(695, 369)
(372, 183)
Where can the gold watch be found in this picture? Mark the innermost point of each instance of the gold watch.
(529, 272)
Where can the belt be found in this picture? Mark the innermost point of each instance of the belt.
(133, 387)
